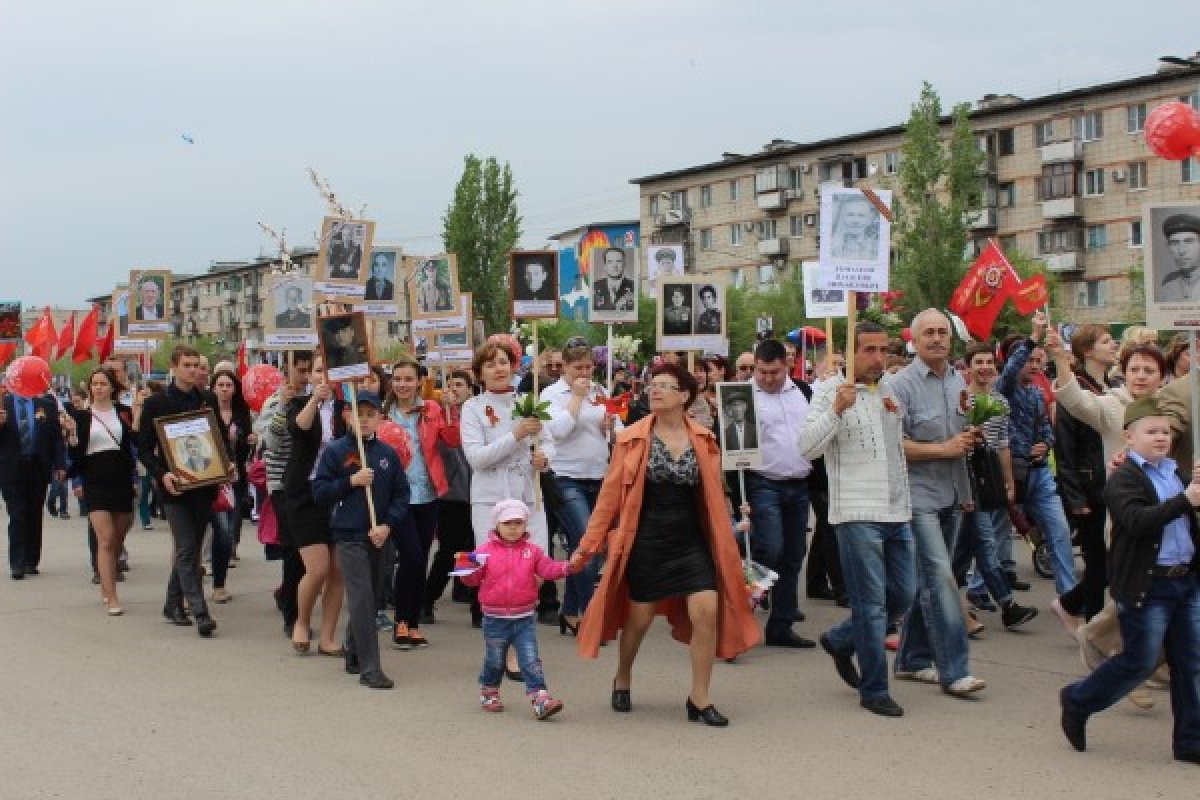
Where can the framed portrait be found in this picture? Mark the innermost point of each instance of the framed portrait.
(192, 447)
(385, 284)
(820, 303)
(147, 315)
(432, 286)
(614, 291)
(664, 260)
(342, 265)
(737, 424)
(10, 322)
(289, 312)
(691, 314)
(855, 241)
(345, 345)
(1171, 233)
(533, 284)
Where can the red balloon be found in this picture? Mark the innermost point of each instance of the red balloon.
(28, 376)
(259, 383)
(392, 434)
(1173, 131)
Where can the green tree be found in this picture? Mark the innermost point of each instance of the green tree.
(481, 227)
(940, 184)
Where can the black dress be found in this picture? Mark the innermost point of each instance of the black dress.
(670, 555)
(107, 475)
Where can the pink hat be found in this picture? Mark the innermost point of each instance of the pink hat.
(507, 510)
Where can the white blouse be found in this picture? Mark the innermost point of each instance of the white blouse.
(99, 439)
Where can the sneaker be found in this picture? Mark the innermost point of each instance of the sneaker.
(205, 625)
(400, 636)
(221, 595)
(966, 685)
(927, 675)
(981, 602)
(147, 527)
(1014, 616)
(376, 680)
(489, 699)
(382, 622)
(417, 639)
(544, 705)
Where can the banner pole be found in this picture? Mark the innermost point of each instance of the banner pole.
(533, 446)
(851, 322)
(348, 389)
(610, 359)
(1194, 376)
(828, 345)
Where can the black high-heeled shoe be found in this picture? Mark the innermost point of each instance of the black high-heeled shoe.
(709, 715)
(621, 701)
(564, 625)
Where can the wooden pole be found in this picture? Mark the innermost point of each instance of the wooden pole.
(610, 360)
(1194, 376)
(742, 488)
(829, 345)
(533, 446)
(348, 388)
(851, 322)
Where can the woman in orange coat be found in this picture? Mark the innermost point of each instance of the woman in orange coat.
(674, 554)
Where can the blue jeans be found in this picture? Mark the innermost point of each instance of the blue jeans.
(1170, 618)
(1045, 509)
(879, 570)
(224, 525)
(978, 540)
(145, 493)
(578, 501)
(778, 541)
(934, 633)
(520, 634)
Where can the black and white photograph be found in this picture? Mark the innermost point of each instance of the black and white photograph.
(737, 421)
(433, 283)
(709, 312)
(820, 303)
(533, 284)
(191, 446)
(291, 304)
(1172, 241)
(614, 292)
(855, 240)
(381, 285)
(690, 314)
(345, 346)
(147, 315)
(678, 317)
(664, 261)
(342, 268)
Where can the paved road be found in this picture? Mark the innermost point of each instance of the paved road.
(131, 707)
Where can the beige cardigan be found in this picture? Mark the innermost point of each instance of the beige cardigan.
(1104, 413)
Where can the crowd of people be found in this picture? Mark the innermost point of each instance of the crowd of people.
(913, 475)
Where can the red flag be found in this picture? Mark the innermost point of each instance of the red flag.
(1031, 295)
(242, 366)
(108, 342)
(41, 336)
(66, 338)
(988, 284)
(7, 351)
(85, 340)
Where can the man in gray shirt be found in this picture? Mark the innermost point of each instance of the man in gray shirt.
(933, 647)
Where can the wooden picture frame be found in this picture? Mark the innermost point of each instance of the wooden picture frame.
(695, 323)
(149, 315)
(342, 264)
(432, 283)
(345, 358)
(533, 292)
(191, 447)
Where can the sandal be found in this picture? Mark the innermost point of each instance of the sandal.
(301, 647)
(338, 652)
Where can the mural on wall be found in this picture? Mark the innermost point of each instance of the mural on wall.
(574, 265)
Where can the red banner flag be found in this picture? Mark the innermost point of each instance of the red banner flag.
(7, 351)
(41, 336)
(989, 282)
(66, 338)
(242, 366)
(108, 342)
(85, 339)
(1031, 295)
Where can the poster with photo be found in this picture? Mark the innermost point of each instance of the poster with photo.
(533, 284)
(383, 289)
(10, 322)
(820, 303)
(124, 342)
(614, 291)
(345, 346)
(459, 322)
(666, 260)
(149, 290)
(288, 313)
(450, 356)
(191, 446)
(691, 314)
(342, 269)
(1171, 232)
(737, 425)
(432, 285)
(855, 241)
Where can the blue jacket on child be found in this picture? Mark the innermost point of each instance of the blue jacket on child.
(348, 517)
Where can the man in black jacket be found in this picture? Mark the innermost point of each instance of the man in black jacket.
(31, 451)
(188, 512)
(1153, 578)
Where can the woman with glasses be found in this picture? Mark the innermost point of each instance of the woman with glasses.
(661, 519)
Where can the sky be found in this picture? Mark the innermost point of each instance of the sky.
(385, 98)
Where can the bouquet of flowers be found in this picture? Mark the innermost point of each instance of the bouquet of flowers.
(984, 407)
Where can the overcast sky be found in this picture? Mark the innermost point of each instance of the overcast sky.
(384, 99)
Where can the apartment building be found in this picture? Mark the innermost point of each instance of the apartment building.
(1064, 180)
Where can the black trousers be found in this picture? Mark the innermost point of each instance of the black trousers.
(824, 563)
(24, 500)
(187, 521)
(293, 565)
(1087, 598)
(454, 535)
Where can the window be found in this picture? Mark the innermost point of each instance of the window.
(654, 205)
(1008, 244)
(766, 275)
(393, 328)
(891, 162)
(860, 169)
(1097, 237)
(1093, 182)
(1088, 127)
(1059, 180)
(705, 196)
(1135, 233)
(1006, 195)
(766, 179)
(1189, 170)
(735, 234)
(1091, 294)
(1006, 142)
(679, 200)
(796, 225)
(795, 178)
(1137, 175)
(1135, 118)
(739, 278)
(1192, 100)
(1059, 241)
(706, 238)
(767, 229)
(735, 191)
(1043, 132)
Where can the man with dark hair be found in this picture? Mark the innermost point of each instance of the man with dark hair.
(665, 261)
(740, 433)
(345, 252)
(612, 291)
(709, 320)
(292, 316)
(778, 490)
(1182, 232)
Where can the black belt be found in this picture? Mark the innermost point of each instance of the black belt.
(1177, 571)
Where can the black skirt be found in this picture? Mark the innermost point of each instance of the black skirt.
(307, 524)
(670, 555)
(108, 482)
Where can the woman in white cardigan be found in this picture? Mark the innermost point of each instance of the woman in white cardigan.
(505, 454)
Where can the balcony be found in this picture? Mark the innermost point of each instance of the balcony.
(250, 292)
(671, 218)
(194, 304)
(773, 200)
(250, 319)
(773, 247)
(1069, 261)
(1062, 208)
(177, 307)
(982, 220)
(1070, 150)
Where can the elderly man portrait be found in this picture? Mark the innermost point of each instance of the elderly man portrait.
(1182, 281)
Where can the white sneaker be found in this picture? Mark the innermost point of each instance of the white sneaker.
(927, 675)
(966, 685)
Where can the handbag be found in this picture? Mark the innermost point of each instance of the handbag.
(987, 479)
(224, 501)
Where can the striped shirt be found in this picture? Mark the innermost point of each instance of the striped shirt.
(271, 428)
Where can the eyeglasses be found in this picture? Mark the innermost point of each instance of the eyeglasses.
(663, 387)
(744, 367)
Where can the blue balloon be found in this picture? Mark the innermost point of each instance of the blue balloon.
(794, 336)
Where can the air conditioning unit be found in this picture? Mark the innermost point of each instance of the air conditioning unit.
(810, 220)
(872, 168)
(805, 169)
(793, 194)
(1118, 175)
